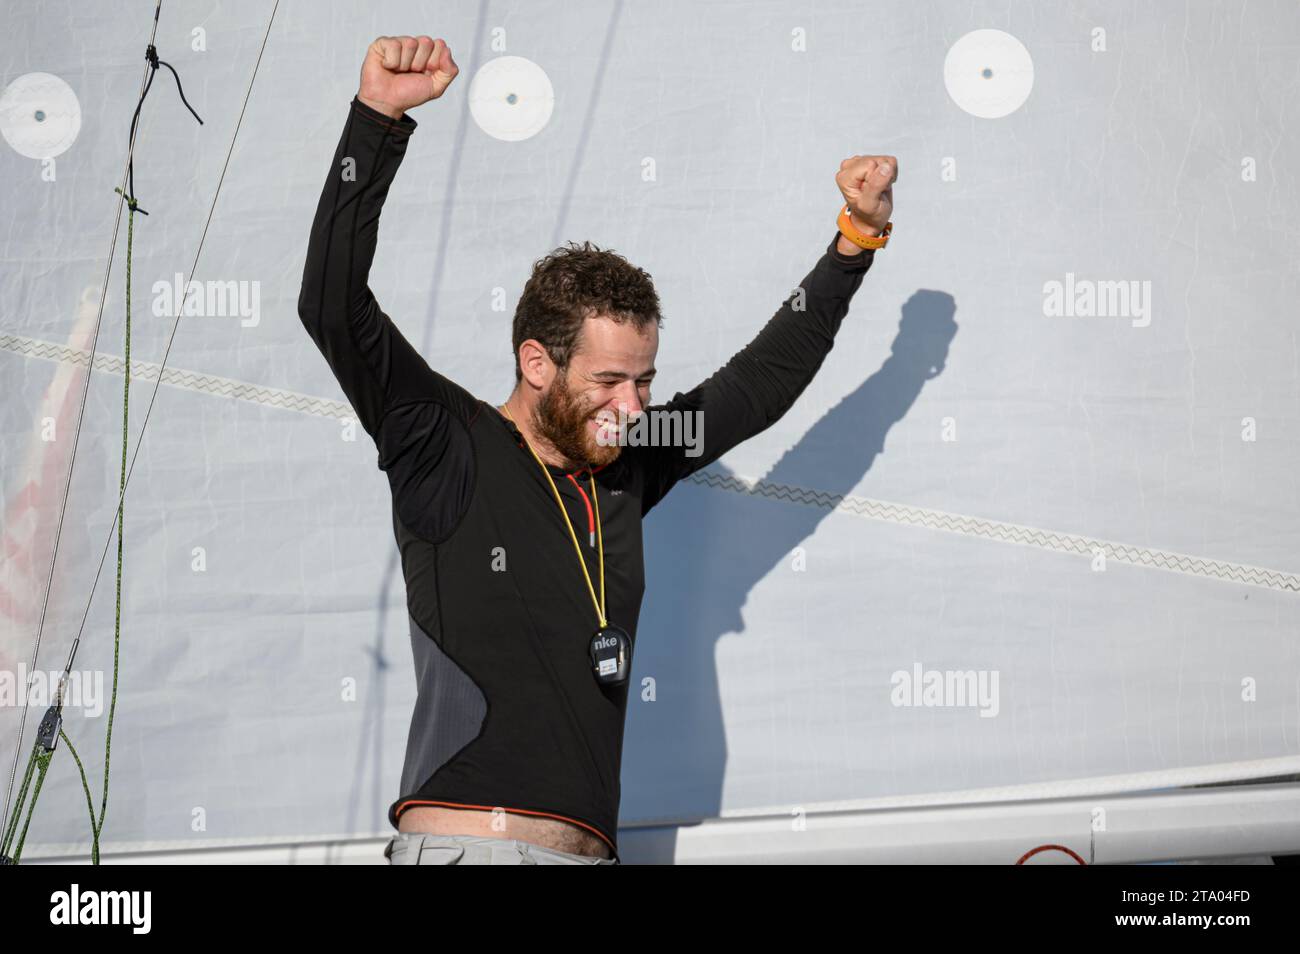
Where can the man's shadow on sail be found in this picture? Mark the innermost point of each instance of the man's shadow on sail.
(706, 548)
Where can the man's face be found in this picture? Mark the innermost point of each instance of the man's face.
(611, 367)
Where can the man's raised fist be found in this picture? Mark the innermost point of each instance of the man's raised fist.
(402, 72)
(867, 184)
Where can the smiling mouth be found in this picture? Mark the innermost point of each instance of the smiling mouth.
(608, 430)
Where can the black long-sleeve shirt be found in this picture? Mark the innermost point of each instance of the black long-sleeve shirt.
(508, 714)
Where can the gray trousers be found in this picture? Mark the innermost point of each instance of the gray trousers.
(415, 848)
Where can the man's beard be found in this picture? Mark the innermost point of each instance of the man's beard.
(561, 418)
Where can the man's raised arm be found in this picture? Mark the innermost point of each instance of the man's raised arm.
(762, 381)
(375, 365)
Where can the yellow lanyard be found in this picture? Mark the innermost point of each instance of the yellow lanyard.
(600, 605)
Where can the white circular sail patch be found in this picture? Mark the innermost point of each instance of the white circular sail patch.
(39, 115)
(511, 98)
(988, 73)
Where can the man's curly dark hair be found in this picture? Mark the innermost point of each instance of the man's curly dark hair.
(576, 282)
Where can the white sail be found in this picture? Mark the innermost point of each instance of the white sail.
(1027, 548)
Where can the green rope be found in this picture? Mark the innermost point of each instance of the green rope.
(51, 729)
(90, 805)
(121, 519)
(39, 761)
(97, 825)
(42, 760)
(22, 796)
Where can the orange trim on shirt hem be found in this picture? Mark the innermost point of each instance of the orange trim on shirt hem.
(518, 811)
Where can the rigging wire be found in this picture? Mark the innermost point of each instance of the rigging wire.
(50, 728)
(76, 437)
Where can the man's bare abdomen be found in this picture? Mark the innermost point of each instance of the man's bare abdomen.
(547, 832)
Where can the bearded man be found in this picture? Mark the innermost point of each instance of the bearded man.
(519, 524)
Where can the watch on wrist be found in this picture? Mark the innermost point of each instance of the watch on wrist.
(852, 233)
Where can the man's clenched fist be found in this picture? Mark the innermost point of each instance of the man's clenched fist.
(402, 72)
(867, 184)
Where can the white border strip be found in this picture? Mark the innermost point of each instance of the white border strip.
(1216, 824)
(1013, 801)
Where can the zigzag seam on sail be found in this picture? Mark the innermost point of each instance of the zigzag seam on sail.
(902, 514)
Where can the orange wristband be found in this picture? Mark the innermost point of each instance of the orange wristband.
(850, 232)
